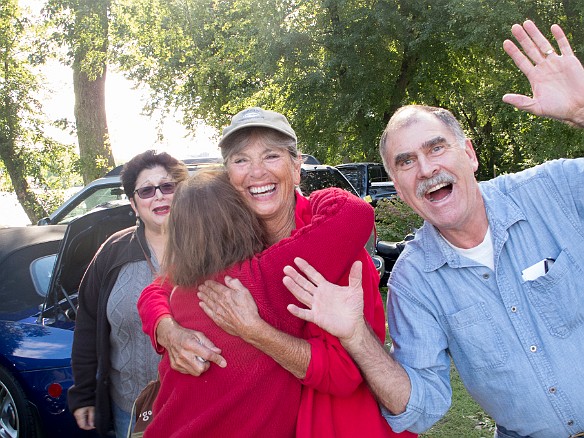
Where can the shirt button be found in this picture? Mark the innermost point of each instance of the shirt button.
(513, 309)
(533, 348)
(486, 276)
(553, 390)
(571, 423)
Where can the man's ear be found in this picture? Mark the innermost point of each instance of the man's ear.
(472, 155)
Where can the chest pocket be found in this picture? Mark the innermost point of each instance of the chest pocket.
(475, 337)
(558, 295)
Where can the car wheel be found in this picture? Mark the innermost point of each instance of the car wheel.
(17, 418)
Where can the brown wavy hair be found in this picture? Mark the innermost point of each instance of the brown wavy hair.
(210, 228)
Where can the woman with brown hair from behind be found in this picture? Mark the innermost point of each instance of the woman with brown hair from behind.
(212, 233)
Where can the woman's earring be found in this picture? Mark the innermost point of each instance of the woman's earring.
(137, 220)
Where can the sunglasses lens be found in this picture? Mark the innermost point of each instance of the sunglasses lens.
(146, 192)
(167, 188)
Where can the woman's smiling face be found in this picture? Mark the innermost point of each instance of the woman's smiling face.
(266, 176)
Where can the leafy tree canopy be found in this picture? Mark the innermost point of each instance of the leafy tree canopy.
(339, 68)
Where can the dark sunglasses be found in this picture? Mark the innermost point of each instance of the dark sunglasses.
(149, 191)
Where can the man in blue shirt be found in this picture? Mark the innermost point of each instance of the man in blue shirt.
(494, 278)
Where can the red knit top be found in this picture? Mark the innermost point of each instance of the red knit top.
(253, 396)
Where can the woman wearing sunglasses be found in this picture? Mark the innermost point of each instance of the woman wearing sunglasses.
(112, 358)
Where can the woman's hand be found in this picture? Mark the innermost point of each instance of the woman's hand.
(85, 417)
(231, 307)
(189, 351)
(557, 80)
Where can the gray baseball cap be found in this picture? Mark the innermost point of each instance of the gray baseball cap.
(258, 117)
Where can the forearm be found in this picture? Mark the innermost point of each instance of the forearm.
(387, 379)
(290, 352)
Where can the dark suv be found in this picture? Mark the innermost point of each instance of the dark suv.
(369, 179)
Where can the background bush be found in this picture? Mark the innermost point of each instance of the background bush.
(395, 219)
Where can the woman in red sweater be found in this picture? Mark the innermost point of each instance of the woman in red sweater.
(263, 164)
(252, 396)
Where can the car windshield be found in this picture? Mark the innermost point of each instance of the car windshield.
(100, 197)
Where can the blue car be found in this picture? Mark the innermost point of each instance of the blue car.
(40, 272)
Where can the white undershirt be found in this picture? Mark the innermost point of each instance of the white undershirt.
(482, 253)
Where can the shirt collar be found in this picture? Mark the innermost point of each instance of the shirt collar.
(501, 214)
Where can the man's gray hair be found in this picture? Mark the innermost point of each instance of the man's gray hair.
(408, 115)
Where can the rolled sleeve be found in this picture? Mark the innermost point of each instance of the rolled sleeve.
(414, 418)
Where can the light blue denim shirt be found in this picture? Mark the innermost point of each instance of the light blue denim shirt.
(518, 345)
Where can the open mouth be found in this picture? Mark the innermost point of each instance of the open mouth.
(265, 190)
(439, 192)
(162, 210)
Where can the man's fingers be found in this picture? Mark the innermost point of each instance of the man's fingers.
(562, 40)
(539, 40)
(527, 44)
(312, 274)
(518, 57)
(304, 314)
(296, 289)
(519, 101)
(298, 278)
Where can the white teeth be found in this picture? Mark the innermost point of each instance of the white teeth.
(262, 189)
(437, 187)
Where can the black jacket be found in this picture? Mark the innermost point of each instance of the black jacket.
(90, 357)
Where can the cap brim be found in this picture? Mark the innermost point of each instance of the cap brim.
(255, 125)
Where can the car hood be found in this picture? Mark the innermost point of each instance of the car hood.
(29, 346)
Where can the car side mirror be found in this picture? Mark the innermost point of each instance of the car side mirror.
(44, 221)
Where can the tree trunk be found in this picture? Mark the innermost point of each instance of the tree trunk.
(89, 74)
(90, 116)
(15, 167)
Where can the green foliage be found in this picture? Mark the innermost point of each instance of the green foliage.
(31, 163)
(395, 219)
(339, 68)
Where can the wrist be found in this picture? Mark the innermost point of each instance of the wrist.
(162, 332)
(256, 333)
(578, 119)
(359, 333)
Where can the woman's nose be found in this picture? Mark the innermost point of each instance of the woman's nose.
(257, 167)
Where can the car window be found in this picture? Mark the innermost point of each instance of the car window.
(322, 179)
(377, 174)
(353, 174)
(93, 199)
(40, 272)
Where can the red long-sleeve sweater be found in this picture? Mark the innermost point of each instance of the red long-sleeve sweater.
(254, 396)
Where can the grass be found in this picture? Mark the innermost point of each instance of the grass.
(465, 419)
